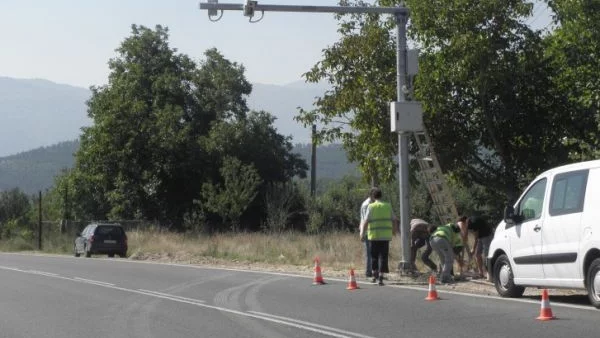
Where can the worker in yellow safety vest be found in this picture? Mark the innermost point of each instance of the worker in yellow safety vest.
(379, 226)
(442, 240)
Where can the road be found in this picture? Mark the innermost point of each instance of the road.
(61, 296)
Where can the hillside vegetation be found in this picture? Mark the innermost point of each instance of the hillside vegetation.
(35, 170)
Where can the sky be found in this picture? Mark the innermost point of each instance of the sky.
(71, 41)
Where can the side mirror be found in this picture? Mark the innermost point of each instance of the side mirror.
(509, 215)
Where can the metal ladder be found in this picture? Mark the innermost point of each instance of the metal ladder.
(431, 175)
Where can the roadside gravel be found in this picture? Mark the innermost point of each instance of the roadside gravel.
(466, 283)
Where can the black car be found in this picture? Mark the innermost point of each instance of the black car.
(101, 238)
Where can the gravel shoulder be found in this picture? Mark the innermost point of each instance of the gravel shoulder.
(465, 284)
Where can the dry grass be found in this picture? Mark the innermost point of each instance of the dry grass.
(339, 251)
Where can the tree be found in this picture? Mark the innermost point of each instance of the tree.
(14, 206)
(155, 141)
(490, 105)
(574, 48)
(232, 197)
(361, 69)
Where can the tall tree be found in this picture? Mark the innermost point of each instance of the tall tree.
(574, 48)
(141, 154)
(491, 107)
(146, 156)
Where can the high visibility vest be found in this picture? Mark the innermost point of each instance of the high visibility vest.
(445, 232)
(380, 221)
(457, 241)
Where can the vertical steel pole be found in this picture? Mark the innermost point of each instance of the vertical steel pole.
(40, 221)
(313, 162)
(403, 168)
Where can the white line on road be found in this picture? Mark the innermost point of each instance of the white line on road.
(311, 324)
(91, 281)
(172, 296)
(49, 274)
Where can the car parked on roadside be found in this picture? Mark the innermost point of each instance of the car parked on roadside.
(101, 238)
(550, 238)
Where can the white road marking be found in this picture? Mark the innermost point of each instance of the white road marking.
(91, 281)
(172, 296)
(312, 324)
(50, 274)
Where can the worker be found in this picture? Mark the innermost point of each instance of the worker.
(441, 241)
(483, 237)
(363, 214)
(419, 237)
(379, 227)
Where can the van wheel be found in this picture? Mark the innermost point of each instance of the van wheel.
(504, 279)
(593, 283)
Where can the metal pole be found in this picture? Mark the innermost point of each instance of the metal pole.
(403, 168)
(40, 222)
(313, 162)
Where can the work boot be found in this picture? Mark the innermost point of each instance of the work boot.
(380, 281)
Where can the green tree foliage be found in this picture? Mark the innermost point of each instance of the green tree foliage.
(491, 107)
(232, 197)
(361, 70)
(14, 206)
(574, 47)
(151, 146)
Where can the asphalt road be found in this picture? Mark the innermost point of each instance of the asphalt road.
(60, 296)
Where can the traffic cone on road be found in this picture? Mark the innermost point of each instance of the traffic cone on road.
(318, 280)
(352, 281)
(545, 310)
(432, 294)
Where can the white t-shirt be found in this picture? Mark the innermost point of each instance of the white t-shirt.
(363, 209)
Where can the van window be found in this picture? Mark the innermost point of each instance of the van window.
(568, 193)
(531, 205)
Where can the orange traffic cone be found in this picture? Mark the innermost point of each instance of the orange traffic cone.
(352, 281)
(545, 310)
(432, 294)
(318, 280)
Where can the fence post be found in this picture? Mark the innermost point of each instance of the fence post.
(40, 222)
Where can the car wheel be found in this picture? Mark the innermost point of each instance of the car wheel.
(88, 254)
(123, 255)
(593, 283)
(504, 279)
(75, 251)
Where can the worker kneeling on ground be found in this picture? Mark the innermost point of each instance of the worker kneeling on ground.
(442, 238)
(419, 237)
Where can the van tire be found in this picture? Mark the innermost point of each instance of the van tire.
(504, 279)
(593, 283)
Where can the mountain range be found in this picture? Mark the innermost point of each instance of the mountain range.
(38, 113)
(40, 122)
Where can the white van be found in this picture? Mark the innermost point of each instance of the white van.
(550, 238)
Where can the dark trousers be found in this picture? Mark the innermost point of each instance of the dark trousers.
(379, 257)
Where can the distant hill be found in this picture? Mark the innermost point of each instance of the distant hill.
(35, 170)
(36, 113)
